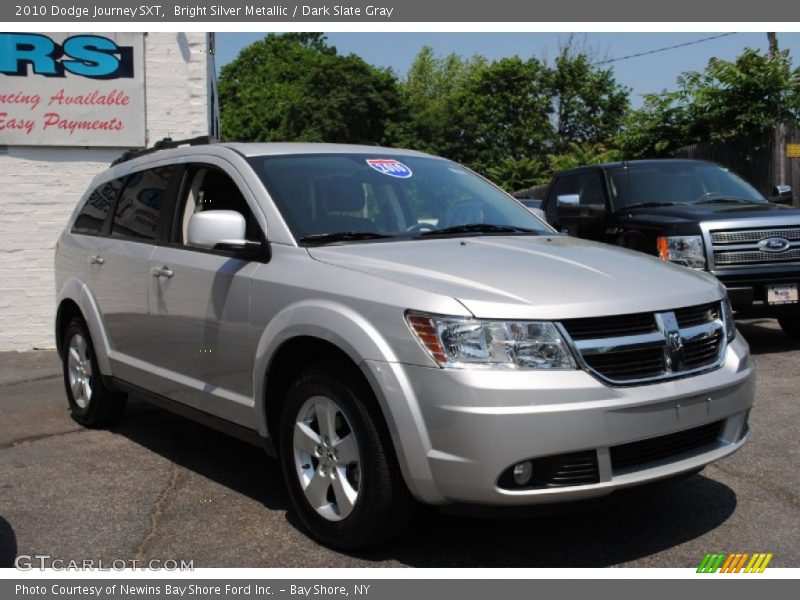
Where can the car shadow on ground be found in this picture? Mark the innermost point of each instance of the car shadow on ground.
(766, 337)
(594, 535)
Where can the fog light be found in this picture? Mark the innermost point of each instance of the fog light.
(523, 473)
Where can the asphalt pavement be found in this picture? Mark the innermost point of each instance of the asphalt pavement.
(157, 486)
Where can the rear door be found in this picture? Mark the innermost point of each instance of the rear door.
(118, 270)
(199, 302)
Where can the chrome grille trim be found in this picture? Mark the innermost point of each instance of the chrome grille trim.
(719, 238)
(724, 259)
(672, 352)
(732, 247)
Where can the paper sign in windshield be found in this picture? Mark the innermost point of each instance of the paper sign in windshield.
(389, 166)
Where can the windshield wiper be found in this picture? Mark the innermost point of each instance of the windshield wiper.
(342, 236)
(726, 201)
(477, 228)
(651, 204)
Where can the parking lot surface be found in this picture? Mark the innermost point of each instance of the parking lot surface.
(160, 487)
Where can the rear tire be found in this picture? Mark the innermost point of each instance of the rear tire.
(790, 326)
(91, 403)
(338, 461)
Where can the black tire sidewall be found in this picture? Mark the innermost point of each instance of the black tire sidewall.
(99, 410)
(790, 326)
(320, 382)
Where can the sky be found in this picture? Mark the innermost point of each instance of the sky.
(645, 74)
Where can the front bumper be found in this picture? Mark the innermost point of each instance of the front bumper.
(474, 425)
(747, 290)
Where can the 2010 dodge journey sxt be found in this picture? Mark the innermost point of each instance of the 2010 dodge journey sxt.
(394, 328)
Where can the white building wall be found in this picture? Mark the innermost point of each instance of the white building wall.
(39, 186)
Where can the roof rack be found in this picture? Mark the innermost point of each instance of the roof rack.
(164, 144)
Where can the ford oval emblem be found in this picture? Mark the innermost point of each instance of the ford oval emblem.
(774, 244)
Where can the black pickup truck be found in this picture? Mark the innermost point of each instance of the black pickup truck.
(692, 213)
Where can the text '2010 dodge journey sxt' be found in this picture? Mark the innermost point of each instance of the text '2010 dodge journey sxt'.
(394, 328)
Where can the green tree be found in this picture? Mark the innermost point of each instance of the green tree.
(295, 87)
(502, 111)
(427, 95)
(741, 99)
(589, 105)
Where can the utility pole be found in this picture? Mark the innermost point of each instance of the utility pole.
(779, 132)
(773, 44)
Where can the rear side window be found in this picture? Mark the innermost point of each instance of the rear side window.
(140, 204)
(95, 210)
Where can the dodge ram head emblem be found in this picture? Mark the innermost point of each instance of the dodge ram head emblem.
(673, 348)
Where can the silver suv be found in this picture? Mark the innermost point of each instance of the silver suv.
(393, 328)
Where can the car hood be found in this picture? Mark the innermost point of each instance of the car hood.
(695, 213)
(530, 277)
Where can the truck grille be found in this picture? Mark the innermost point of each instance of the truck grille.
(666, 446)
(648, 347)
(747, 246)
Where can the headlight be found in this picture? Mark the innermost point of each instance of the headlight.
(461, 343)
(727, 318)
(684, 250)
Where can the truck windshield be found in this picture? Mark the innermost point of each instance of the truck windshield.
(341, 198)
(678, 183)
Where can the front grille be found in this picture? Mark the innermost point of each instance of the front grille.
(601, 327)
(741, 246)
(702, 352)
(634, 348)
(727, 259)
(720, 238)
(651, 450)
(559, 470)
(623, 365)
(697, 315)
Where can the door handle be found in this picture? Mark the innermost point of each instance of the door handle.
(96, 260)
(162, 272)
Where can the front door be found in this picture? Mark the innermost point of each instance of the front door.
(199, 303)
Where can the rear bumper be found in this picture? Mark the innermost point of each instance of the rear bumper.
(477, 424)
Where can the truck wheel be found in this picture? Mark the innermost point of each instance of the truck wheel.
(790, 326)
(91, 403)
(338, 461)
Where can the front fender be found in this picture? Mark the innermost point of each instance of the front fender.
(349, 331)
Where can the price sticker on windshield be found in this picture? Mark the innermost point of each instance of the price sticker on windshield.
(390, 167)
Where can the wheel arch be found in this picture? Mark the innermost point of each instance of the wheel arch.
(75, 300)
(332, 330)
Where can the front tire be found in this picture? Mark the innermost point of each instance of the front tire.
(91, 403)
(790, 326)
(338, 462)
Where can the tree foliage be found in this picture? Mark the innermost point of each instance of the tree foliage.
(295, 87)
(504, 118)
(730, 100)
(590, 106)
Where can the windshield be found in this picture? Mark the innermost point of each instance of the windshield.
(358, 197)
(678, 183)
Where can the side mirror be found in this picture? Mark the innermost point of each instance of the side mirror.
(214, 228)
(571, 212)
(568, 200)
(781, 194)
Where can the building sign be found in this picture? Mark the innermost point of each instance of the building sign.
(64, 89)
(792, 150)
